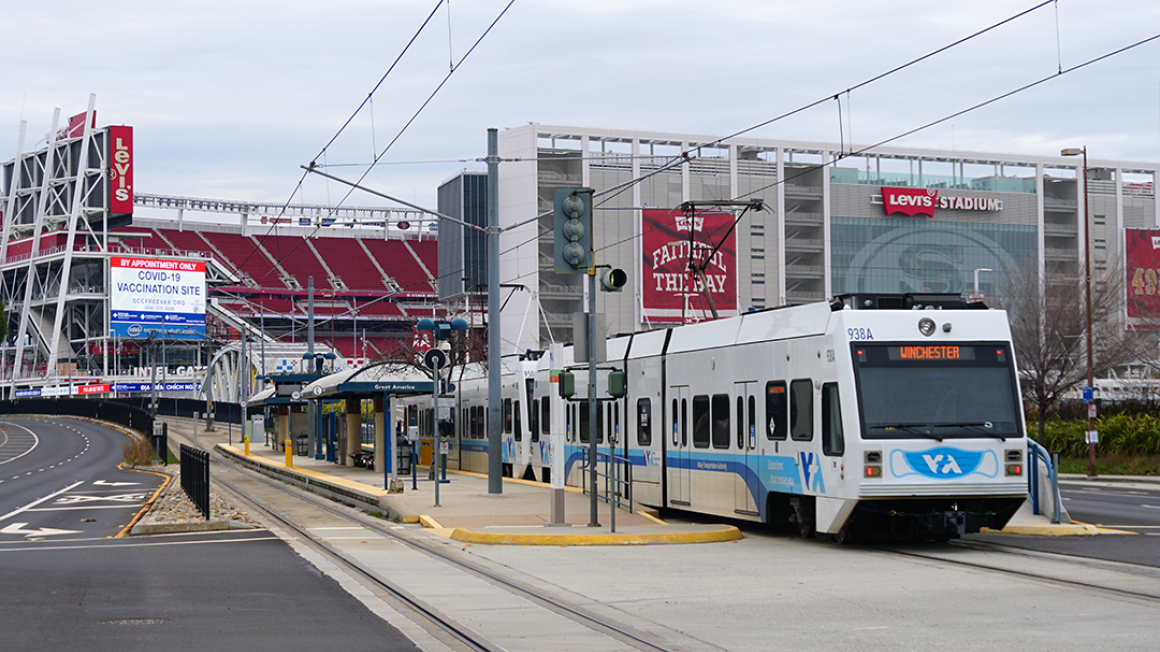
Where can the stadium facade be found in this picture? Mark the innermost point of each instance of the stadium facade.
(889, 220)
(101, 301)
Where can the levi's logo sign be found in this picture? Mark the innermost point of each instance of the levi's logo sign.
(923, 201)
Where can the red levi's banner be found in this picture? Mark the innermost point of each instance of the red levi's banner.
(121, 170)
(909, 201)
(93, 389)
(1142, 277)
(669, 292)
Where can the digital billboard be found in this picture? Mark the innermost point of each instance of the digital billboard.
(669, 292)
(150, 296)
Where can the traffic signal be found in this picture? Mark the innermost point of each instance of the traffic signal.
(573, 230)
(612, 279)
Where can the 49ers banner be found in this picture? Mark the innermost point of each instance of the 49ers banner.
(670, 293)
(1142, 263)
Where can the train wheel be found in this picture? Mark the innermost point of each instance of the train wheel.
(804, 517)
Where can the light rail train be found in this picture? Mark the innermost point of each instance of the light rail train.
(881, 416)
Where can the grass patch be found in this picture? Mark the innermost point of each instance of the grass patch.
(1113, 465)
(138, 452)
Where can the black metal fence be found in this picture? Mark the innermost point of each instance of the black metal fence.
(105, 410)
(195, 477)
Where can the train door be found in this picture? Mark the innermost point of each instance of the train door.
(678, 471)
(745, 398)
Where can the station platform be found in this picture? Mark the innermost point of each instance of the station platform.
(521, 515)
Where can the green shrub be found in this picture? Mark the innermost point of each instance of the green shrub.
(139, 452)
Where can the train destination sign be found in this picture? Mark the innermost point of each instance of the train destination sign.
(931, 352)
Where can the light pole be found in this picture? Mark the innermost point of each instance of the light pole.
(434, 359)
(1087, 260)
(976, 295)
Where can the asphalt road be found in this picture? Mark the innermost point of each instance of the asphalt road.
(1129, 513)
(59, 480)
(67, 584)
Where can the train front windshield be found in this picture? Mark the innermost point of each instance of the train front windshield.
(936, 391)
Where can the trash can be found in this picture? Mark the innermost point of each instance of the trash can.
(303, 447)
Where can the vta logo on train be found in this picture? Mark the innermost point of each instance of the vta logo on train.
(944, 463)
(812, 467)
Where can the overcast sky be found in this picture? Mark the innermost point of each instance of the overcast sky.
(228, 99)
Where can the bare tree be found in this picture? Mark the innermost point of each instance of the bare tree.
(1048, 317)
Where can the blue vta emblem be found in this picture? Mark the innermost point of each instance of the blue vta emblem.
(812, 472)
(944, 463)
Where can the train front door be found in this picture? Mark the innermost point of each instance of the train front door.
(745, 439)
(677, 463)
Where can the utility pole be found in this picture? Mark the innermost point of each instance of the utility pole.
(494, 400)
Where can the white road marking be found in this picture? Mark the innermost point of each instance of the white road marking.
(37, 502)
(102, 483)
(17, 528)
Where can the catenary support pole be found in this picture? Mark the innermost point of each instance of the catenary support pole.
(494, 445)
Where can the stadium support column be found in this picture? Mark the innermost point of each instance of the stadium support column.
(494, 449)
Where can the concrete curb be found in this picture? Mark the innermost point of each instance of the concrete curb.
(180, 528)
(1048, 529)
(350, 492)
(494, 537)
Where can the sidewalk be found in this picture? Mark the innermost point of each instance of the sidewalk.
(518, 516)
(466, 512)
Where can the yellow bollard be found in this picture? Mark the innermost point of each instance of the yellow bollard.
(247, 440)
(289, 454)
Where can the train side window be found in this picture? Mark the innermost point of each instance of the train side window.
(801, 410)
(720, 420)
(545, 416)
(507, 416)
(615, 432)
(600, 422)
(675, 422)
(775, 410)
(833, 442)
(518, 430)
(740, 423)
(684, 422)
(582, 417)
(569, 432)
(752, 431)
(701, 426)
(534, 416)
(644, 422)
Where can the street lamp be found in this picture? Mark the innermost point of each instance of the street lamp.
(440, 330)
(976, 295)
(1087, 260)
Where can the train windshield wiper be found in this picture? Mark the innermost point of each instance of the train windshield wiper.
(913, 428)
(983, 427)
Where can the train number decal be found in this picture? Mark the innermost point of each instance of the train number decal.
(859, 334)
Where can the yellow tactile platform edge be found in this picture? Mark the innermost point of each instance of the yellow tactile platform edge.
(724, 533)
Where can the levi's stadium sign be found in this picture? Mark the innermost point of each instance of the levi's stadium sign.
(923, 201)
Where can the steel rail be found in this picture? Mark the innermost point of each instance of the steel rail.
(574, 613)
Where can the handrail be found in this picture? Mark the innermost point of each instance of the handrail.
(615, 487)
(1038, 452)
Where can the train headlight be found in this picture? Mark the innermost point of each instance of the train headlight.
(873, 468)
(926, 326)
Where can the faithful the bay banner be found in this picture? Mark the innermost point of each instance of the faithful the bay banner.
(670, 293)
(152, 296)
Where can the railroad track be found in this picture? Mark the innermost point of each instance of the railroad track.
(1116, 578)
(420, 611)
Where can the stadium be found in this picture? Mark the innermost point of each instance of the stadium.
(830, 220)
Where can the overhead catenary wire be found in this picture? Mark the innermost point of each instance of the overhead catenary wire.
(896, 137)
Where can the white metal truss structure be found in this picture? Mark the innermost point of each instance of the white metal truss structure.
(54, 252)
(290, 214)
